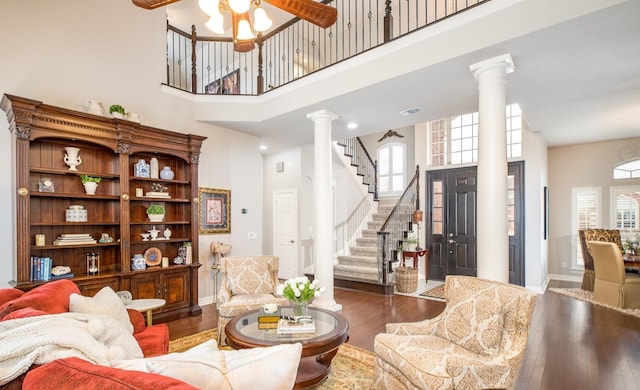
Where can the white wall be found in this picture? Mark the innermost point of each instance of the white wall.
(585, 165)
(65, 52)
(535, 246)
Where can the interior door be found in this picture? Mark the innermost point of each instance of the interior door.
(452, 213)
(451, 222)
(285, 228)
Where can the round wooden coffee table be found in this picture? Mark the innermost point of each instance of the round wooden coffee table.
(318, 349)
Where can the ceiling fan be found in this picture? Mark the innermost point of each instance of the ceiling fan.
(314, 12)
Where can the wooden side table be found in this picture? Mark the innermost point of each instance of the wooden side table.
(147, 305)
(415, 255)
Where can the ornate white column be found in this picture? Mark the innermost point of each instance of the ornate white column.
(492, 233)
(323, 208)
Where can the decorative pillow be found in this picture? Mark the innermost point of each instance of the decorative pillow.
(23, 313)
(52, 297)
(205, 367)
(75, 373)
(105, 302)
(250, 280)
(475, 324)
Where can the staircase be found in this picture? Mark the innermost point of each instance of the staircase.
(362, 263)
(357, 260)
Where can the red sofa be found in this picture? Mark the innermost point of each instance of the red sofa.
(74, 373)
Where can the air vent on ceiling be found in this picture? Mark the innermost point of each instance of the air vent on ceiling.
(410, 111)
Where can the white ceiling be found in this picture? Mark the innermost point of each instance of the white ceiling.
(577, 76)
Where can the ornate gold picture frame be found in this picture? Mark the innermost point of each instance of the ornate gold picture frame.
(215, 210)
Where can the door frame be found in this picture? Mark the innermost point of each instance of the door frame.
(516, 242)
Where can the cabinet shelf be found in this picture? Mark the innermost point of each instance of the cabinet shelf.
(74, 196)
(150, 242)
(160, 223)
(56, 247)
(75, 224)
(135, 178)
(170, 200)
(55, 171)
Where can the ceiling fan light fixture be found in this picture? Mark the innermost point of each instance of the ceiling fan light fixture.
(262, 21)
(209, 7)
(239, 6)
(244, 31)
(216, 23)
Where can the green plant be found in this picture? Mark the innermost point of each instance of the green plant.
(116, 108)
(90, 179)
(155, 209)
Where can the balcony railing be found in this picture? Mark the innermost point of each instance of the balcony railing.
(209, 65)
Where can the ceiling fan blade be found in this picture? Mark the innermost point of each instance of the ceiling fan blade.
(317, 13)
(152, 4)
(244, 45)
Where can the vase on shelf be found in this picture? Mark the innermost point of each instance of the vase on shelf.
(90, 187)
(153, 168)
(166, 173)
(72, 158)
(300, 308)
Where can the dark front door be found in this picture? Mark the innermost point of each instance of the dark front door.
(451, 196)
(451, 222)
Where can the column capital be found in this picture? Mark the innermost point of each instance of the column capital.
(503, 62)
(322, 114)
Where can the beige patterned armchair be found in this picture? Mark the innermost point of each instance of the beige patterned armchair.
(247, 283)
(477, 342)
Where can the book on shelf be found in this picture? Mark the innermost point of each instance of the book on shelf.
(63, 276)
(40, 269)
(296, 325)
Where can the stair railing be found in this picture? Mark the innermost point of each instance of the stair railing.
(365, 165)
(396, 226)
(346, 232)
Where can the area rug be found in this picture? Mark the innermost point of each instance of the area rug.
(422, 288)
(436, 293)
(587, 296)
(351, 368)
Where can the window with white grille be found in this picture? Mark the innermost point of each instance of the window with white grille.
(586, 213)
(457, 143)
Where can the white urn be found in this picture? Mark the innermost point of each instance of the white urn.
(72, 157)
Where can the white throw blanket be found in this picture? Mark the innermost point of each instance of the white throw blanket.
(38, 340)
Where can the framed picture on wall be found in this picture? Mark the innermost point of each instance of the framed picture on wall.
(215, 210)
(228, 85)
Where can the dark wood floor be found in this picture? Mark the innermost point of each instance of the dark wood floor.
(572, 344)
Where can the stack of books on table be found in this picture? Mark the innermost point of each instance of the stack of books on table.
(296, 325)
(268, 320)
(74, 239)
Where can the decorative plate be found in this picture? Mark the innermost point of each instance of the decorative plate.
(153, 256)
(125, 296)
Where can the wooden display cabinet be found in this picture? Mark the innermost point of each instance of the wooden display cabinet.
(46, 187)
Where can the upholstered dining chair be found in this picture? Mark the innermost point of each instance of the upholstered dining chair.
(477, 342)
(613, 286)
(247, 283)
(606, 235)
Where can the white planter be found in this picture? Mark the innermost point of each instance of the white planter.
(90, 187)
(156, 217)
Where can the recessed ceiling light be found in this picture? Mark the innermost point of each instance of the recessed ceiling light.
(352, 125)
(410, 111)
(263, 147)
